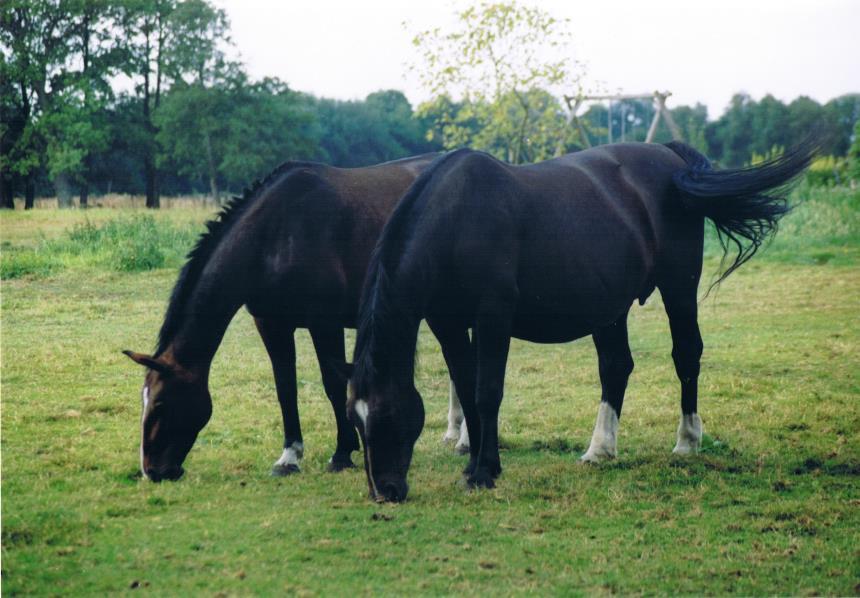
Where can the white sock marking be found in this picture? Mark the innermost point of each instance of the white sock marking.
(144, 394)
(463, 442)
(361, 411)
(455, 416)
(603, 440)
(292, 454)
(689, 435)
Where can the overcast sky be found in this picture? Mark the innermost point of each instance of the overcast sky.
(700, 50)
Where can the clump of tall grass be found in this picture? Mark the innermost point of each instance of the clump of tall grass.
(127, 244)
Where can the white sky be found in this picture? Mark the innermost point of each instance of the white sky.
(701, 51)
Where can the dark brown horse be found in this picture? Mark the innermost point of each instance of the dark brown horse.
(549, 253)
(294, 251)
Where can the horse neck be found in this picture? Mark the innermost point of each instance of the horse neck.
(210, 310)
(392, 339)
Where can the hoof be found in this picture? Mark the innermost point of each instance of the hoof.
(481, 479)
(339, 465)
(595, 458)
(462, 449)
(279, 470)
(685, 450)
(450, 436)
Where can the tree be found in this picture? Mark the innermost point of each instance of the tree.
(170, 41)
(269, 123)
(233, 132)
(692, 121)
(496, 60)
(360, 133)
(854, 154)
(18, 156)
(35, 50)
(61, 55)
(840, 116)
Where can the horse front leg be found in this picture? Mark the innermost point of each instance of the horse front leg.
(492, 340)
(458, 430)
(459, 356)
(455, 415)
(329, 345)
(280, 344)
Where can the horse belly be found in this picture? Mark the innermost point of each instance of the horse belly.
(547, 328)
(575, 303)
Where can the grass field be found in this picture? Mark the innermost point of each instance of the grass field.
(771, 506)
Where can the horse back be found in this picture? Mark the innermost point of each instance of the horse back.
(312, 233)
(575, 240)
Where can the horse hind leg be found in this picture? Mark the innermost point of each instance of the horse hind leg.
(686, 353)
(615, 364)
(455, 415)
(280, 344)
(457, 431)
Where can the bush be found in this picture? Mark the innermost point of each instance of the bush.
(127, 244)
(17, 263)
(135, 255)
(827, 171)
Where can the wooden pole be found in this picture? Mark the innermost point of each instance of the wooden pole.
(609, 122)
(577, 102)
(673, 128)
(652, 130)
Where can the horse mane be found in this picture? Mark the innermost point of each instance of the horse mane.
(216, 229)
(384, 323)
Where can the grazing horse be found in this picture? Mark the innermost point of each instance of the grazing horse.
(548, 253)
(294, 250)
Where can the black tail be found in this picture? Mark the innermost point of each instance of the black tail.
(745, 204)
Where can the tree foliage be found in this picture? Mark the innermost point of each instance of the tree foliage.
(193, 122)
(502, 61)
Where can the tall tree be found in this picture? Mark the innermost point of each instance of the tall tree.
(145, 29)
(169, 42)
(233, 132)
(498, 54)
(34, 38)
(61, 55)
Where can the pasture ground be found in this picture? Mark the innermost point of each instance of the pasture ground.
(771, 506)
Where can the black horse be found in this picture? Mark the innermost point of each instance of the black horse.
(294, 250)
(549, 253)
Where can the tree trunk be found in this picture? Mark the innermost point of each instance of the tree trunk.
(64, 191)
(85, 193)
(152, 199)
(7, 194)
(213, 177)
(29, 193)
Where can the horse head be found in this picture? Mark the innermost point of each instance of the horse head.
(389, 421)
(176, 406)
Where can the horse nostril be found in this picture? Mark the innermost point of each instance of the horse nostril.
(152, 475)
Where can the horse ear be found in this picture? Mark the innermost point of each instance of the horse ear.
(343, 369)
(148, 361)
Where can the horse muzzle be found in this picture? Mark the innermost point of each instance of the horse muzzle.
(391, 491)
(164, 473)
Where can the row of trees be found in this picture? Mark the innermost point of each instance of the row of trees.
(139, 96)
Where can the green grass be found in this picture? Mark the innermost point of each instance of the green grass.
(769, 507)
